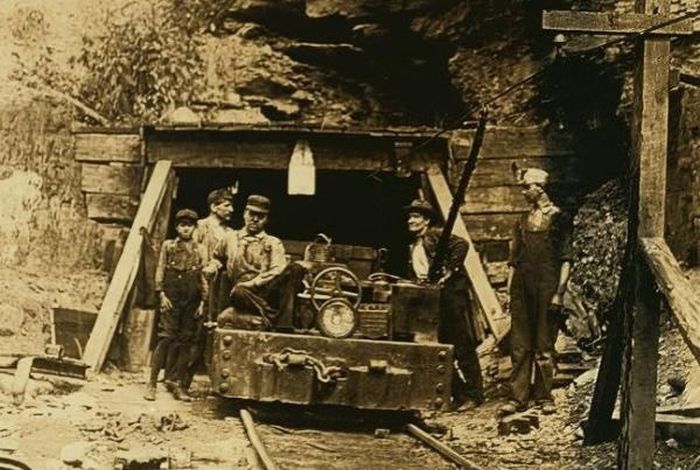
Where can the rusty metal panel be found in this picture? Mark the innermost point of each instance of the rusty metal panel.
(386, 375)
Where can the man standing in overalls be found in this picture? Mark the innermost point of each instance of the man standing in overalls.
(182, 289)
(540, 265)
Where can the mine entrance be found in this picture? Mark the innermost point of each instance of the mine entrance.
(352, 207)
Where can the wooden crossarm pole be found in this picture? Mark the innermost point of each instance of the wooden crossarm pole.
(681, 296)
(615, 23)
(127, 268)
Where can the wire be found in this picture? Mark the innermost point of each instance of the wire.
(483, 106)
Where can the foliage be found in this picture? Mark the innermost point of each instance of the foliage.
(146, 60)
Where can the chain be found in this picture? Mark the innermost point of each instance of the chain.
(324, 374)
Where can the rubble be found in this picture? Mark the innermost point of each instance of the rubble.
(11, 319)
(74, 453)
(521, 423)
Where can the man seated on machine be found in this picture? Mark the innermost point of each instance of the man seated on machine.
(263, 283)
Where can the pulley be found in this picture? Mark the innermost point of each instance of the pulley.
(337, 318)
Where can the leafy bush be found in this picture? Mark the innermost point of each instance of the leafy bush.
(146, 59)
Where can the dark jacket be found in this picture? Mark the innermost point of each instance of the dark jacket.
(457, 249)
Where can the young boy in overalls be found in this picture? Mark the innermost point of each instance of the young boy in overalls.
(182, 289)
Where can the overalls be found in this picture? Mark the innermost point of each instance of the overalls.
(181, 284)
(535, 280)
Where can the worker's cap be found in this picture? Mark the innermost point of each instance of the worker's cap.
(530, 175)
(219, 195)
(422, 207)
(186, 215)
(257, 203)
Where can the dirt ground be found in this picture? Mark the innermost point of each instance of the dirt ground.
(101, 419)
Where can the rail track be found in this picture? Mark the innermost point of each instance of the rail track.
(280, 448)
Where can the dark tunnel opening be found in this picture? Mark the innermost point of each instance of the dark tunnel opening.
(352, 207)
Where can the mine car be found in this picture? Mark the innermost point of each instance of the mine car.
(359, 338)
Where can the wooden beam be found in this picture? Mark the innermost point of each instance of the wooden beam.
(498, 172)
(650, 141)
(111, 207)
(682, 297)
(614, 23)
(498, 322)
(513, 142)
(108, 148)
(509, 199)
(111, 179)
(342, 154)
(125, 274)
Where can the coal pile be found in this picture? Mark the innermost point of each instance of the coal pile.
(600, 235)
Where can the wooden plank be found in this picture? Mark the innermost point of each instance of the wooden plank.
(125, 274)
(509, 199)
(682, 297)
(274, 154)
(111, 207)
(613, 23)
(488, 227)
(108, 148)
(650, 141)
(498, 172)
(514, 142)
(111, 179)
(484, 293)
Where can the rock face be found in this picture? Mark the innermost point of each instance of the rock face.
(11, 319)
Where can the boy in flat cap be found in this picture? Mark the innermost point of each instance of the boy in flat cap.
(182, 289)
(541, 255)
(456, 321)
(256, 263)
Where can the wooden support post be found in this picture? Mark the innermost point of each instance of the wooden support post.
(120, 288)
(650, 140)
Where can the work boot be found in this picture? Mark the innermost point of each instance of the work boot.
(170, 384)
(511, 407)
(181, 394)
(150, 394)
(546, 406)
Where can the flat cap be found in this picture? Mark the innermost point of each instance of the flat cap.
(258, 203)
(186, 215)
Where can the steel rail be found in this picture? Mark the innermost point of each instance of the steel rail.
(255, 440)
(443, 449)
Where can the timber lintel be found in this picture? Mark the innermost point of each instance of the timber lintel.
(614, 23)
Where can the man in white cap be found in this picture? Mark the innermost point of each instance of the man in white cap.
(540, 265)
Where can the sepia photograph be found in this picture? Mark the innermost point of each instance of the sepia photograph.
(350, 234)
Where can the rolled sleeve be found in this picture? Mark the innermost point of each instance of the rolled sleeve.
(516, 244)
(565, 238)
(160, 269)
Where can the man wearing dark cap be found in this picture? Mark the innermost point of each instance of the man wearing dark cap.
(181, 288)
(256, 262)
(456, 322)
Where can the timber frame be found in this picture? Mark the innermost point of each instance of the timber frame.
(649, 263)
(129, 176)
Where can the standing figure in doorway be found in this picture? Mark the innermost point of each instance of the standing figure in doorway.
(540, 265)
(182, 289)
(210, 230)
(456, 320)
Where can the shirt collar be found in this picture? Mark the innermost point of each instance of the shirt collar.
(259, 236)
